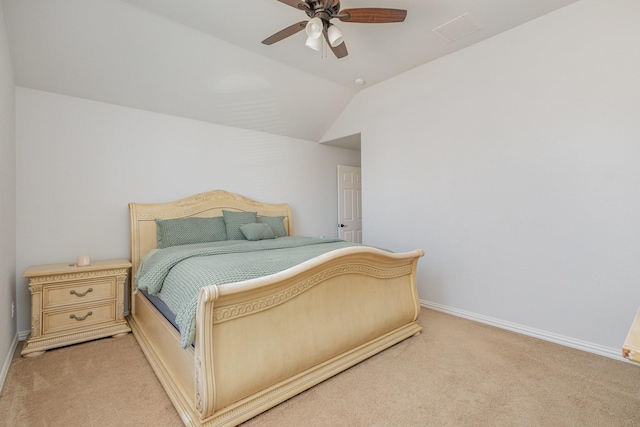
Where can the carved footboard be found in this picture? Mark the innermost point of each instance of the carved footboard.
(262, 341)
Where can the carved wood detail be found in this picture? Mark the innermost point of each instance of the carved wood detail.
(199, 390)
(224, 314)
(57, 341)
(77, 275)
(35, 326)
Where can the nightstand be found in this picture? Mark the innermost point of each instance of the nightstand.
(71, 304)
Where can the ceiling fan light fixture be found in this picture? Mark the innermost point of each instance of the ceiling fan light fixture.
(319, 28)
(314, 28)
(334, 35)
(314, 43)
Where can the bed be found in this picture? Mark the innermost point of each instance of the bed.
(263, 340)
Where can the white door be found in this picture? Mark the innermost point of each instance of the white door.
(350, 204)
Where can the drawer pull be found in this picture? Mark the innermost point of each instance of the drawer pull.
(79, 319)
(78, 294)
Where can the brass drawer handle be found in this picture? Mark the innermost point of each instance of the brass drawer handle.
(73, 292)
(79, 319)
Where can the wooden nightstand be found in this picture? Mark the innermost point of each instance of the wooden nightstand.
(71, 304)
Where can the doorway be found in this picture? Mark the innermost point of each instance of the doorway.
(350, 203)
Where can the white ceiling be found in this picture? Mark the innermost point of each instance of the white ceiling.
(203, 59)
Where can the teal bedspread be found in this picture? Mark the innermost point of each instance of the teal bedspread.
(176, 274)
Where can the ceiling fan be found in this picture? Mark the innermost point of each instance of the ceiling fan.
(322, 12)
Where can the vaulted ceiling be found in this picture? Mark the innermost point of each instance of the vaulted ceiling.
(202, 59)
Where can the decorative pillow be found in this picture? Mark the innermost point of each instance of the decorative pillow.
(257, 231)
(276, 224)
(184, 231)
(233, 221)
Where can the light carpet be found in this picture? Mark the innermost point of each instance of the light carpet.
(455, 373)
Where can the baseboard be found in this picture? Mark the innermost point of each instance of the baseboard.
(612, 353)
(23, 335)
(7, 362)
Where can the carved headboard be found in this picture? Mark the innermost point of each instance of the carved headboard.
(210, 204)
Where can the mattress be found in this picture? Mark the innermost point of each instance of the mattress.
(161, 307)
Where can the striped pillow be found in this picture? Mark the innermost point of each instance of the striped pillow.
(257, 231)
(233, 220)
(276, 224)
(184, 231)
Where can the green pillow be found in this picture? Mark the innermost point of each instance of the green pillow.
(184, 231)
(257, 231)
(276, 224)
(233, 221)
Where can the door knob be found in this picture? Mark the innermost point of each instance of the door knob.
(342, 225)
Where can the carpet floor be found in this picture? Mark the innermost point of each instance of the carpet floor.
(455, 373)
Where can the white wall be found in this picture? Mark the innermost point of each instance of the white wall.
(79, 163)
(515, 165)
(7, 203)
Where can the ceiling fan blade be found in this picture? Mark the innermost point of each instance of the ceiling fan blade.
(339, 51)
(284, 33)
(372, 15)
(298, 4)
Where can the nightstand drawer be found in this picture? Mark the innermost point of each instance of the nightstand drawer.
(79, 292)
(78, 317)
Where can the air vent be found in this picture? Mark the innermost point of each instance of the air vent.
(458, 28)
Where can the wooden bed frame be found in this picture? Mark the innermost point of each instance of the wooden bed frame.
(262, 341)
